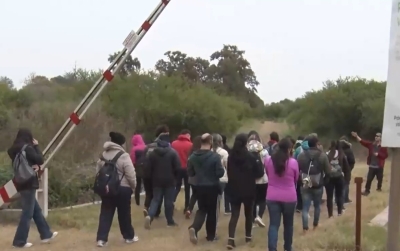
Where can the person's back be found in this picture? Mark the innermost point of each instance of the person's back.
(163, 165)
(206, 166)
(282, 188)
(182, 146)
(243, 170)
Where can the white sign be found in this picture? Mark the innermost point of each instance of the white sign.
(391, 120)
(130, 40)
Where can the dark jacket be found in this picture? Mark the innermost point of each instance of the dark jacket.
(206, 166)
(323, 162)
(349, 154)
(34, 157)
(382, 153)
(243, 170)
(163, 165)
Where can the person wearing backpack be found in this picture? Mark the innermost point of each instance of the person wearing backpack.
(115, 182)
(255, 147)
(339, 167)
(297, 144)
(25, 149)
(314, 170)
(162, 169)
(138, 157)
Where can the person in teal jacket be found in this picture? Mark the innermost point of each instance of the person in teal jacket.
(303, 146)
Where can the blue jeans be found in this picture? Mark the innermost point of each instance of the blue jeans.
(278, 210)
(30, 210)
(169, 196)
(314, 196)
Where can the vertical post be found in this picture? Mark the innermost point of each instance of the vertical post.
(358, 181)
(392, 243)
(42, 193)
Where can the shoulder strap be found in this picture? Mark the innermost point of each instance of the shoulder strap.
(24, 147)
(114, 160)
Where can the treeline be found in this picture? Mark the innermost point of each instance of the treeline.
(341, 106)
(215, 95)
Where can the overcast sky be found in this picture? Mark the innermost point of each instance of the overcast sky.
(292, 45)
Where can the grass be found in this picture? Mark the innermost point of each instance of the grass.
(78, 227)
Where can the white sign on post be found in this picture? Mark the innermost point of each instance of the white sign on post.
(130, 40)
(391, 119)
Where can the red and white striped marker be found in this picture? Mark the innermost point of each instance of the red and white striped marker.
(8, 191)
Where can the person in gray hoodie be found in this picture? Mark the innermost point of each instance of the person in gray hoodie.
(315, 168)
(207, 167)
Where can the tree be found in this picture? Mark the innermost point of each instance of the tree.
(130, 65)
(341, 106)
(7, 81)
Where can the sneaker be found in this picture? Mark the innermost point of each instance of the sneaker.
(172, 224)
(193, 236)
(365, 193)
(379, 190)
(27, 245)
(231, 244)
(248, 239)
(129, 241)
(145, 212)
(51, 238)
(255, 225)
(227, 213)
(212, 239)
(259, 221)
(348, 202)
(101, 244)
(298, 211)
(188, 214)
(147, 222)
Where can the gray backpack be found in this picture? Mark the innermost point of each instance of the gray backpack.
(23, 172)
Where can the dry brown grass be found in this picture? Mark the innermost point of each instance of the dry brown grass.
(78, 230)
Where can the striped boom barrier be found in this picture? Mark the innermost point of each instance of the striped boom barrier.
(9, 192)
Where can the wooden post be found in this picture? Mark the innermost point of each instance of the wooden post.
(358, 181)
(392, 243)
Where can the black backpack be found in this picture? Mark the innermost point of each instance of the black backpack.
(107, 181)
(140, 164)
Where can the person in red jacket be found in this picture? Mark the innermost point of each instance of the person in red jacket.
(376, 161)
(183, 146)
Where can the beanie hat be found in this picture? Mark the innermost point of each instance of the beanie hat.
(117, 138)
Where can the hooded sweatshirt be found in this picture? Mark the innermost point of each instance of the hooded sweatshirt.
(256, 147)
(182, 146)
(301, 148)
(125, 168)
(164, 165)
(206, 166)
(138, 144)
(223, 154)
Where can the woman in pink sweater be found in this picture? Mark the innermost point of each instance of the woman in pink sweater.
(283, 172)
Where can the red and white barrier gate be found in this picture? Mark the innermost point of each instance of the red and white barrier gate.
(8, 191)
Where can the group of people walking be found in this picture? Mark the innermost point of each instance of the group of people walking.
(281, 175)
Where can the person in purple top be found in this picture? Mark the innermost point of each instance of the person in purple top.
(283, 173)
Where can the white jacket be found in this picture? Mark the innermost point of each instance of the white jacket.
(255, 146)
(224, 161)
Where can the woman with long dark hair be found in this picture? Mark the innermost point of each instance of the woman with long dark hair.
(283, 173)
(192, 180)
(339, 166)
(24, 143)
(243, 169)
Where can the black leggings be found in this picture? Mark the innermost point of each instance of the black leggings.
(248, 214)
(335, 185)
(261, 202)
